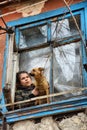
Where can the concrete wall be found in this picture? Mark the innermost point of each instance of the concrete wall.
(21, 9)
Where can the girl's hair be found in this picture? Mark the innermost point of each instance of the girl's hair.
(18, 76)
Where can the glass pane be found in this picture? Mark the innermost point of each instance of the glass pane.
(33, 36)
(67, 73)
(64, 28)
(36, 58)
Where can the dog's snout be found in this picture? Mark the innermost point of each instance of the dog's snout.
(31, 74)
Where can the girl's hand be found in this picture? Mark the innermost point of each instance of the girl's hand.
(35, 92)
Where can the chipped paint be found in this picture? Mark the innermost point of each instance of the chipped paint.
(32, 9)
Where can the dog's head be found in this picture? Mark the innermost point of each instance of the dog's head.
(35, 72)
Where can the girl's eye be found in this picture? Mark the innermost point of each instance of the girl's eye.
(27, 77)
(22, 78)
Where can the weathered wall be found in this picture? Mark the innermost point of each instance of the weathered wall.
(24, 9)
(75, 122)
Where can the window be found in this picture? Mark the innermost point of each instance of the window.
(62, 63)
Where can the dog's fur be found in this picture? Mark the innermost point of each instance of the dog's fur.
(41, 83)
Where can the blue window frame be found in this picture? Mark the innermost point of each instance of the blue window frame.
(42, 27)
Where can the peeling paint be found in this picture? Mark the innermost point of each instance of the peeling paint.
(32, 9)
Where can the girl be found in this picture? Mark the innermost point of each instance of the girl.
(24, 89)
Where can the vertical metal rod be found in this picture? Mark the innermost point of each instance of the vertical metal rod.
(4, 123)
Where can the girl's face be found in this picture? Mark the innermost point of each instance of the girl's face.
(25, 80)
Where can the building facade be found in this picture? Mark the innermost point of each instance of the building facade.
(50, 34)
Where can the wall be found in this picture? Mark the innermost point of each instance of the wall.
(15, 10)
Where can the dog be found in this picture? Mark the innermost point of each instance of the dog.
(41, 83)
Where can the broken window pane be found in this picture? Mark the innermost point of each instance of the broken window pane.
(33, 37)
(64, 28)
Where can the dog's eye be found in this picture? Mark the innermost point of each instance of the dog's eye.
(34, 70)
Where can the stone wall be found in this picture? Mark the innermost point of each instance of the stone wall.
(75, 122)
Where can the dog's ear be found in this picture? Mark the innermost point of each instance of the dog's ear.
(41, 69)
